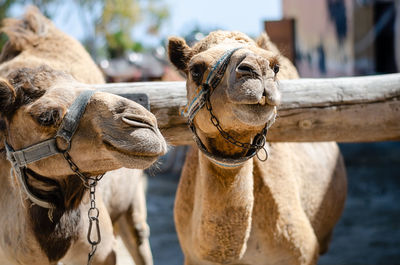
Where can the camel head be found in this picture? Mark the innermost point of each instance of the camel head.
(245, 99)
(113, 132)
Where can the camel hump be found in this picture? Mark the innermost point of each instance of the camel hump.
(26, 31)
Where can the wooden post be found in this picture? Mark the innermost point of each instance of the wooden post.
(351, 109)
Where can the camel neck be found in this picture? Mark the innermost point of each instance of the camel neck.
(30, 221)
(5, 171)
(225, 203)
(14, 224)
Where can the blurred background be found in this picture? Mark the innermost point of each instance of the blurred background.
(323, 38)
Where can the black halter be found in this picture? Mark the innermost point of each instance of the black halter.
(21, 158)
(202, 98)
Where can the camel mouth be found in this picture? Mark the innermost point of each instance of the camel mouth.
(137, 122)
(254, 114)
(257, 104)
(254, 107)
(134, 140)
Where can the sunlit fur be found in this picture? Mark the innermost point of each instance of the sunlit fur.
(42, 71)
(281, 211)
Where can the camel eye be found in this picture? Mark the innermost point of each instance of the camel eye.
(49, 118)
(197, 72)
(276, 68)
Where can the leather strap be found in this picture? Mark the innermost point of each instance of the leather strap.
(20, 173)
(213, 79)
(75, 112)
(67, 129)
(21, 158)
(224, 161)
(34, 153)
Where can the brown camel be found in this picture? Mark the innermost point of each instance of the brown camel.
(233, 206)
(42, 73)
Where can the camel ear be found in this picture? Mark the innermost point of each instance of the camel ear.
(179, 53)
(265, 43)
(7, 95)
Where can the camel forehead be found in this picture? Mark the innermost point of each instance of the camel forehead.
(224, 38)
(213, 54)
(60, 96)
(39, 89)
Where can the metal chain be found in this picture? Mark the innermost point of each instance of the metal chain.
(93, 215)
(209, 86)
(259, 139)
(75, 169)
(93, 235)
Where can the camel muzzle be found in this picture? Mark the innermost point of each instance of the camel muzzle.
(202, 98)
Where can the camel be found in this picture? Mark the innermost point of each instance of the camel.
(44, 203)
(240, 199)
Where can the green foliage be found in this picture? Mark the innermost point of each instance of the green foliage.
(113, 21)
(158, 14)
(4, 7)
(48, 7)
(117, 19)
(3, 40)
(105, 22)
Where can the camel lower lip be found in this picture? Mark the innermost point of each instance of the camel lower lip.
(114, 148)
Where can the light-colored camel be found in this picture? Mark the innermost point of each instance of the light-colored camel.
(230, 210)
(42, 71)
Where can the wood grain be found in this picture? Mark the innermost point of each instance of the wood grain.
(350, 109)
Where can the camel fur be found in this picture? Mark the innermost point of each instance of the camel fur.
(281, 211)
(42, 70)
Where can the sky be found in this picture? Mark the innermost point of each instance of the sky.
(246, 16)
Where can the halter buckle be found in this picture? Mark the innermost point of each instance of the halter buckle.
(65, 140)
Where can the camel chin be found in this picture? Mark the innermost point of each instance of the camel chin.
(134, 162)
(138, 148)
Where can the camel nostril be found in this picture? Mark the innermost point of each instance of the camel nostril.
(137, 121)
(246, 69)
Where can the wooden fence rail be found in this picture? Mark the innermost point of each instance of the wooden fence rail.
(350, 109)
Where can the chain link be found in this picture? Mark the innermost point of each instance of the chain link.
(93, 235)
(259, 139)
(75, 169)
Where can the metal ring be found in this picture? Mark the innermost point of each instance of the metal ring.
(66, 140)
(260, 140)
(266, 154)
(93, 213)
(89, 235)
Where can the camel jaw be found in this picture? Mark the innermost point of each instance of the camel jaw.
(140, 150)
